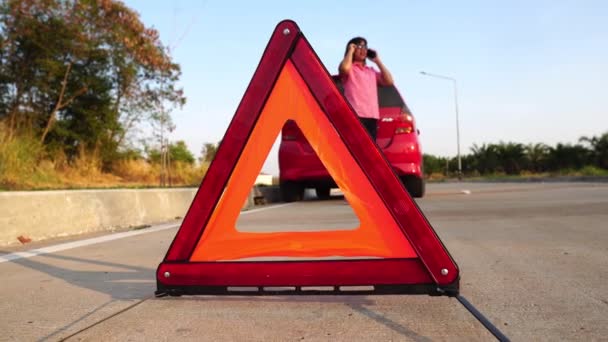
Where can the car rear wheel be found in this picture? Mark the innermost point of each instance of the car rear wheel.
(323, 192)
(414, 185)
(291, 191)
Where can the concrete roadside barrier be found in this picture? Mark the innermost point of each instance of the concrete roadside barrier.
(39, 215)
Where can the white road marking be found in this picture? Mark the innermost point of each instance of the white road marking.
(106, 238)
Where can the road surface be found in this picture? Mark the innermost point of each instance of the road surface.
(533, 258)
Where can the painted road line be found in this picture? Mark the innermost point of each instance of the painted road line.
(106, 238)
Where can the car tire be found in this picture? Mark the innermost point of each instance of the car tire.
(414, 185)
(323, 193)
(291, 191)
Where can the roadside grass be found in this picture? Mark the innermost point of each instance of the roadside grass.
(25, 165)
(585, 172)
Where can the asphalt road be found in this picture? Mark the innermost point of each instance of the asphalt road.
(533, 259)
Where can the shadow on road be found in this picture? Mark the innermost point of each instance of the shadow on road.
(119, 281)
(359, 304)
(398, 328)
(126, 282)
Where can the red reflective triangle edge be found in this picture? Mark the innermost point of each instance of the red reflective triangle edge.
(434, 272)
(404, 209)
(275, 55)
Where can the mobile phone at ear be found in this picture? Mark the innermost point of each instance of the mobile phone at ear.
(371, 54)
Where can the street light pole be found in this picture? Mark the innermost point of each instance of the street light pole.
(457, 120)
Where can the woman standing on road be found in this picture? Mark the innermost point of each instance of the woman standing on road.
(360, 82)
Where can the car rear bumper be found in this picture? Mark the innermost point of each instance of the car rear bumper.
(407, 169)
(306, 170)
(303, 175)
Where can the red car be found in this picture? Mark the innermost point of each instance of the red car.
(300, 168)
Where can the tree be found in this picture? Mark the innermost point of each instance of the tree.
(511, 157)
(486, 158)
(567, 156)
(208, 152)
(38, 51)
(599, 149)
(81, 74)
(179, 153)
(537, 156)
(433, 164)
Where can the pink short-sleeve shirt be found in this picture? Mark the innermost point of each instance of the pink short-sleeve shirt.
(360, 89)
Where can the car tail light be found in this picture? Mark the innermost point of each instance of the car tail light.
(403, 130)
(404, 124)
(291, 131)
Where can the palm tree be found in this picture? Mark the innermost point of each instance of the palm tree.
(486, 158)
(433, 164)
(511, 157)
(599, 149)
(566, 156)
(537, 155)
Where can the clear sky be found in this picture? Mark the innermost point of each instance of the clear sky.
(527, 71)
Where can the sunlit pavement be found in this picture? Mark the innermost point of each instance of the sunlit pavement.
(533, 259)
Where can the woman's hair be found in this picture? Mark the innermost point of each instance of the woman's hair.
(356, 41)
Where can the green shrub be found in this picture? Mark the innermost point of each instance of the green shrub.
(19, 158)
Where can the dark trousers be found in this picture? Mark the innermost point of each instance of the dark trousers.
(371, 125)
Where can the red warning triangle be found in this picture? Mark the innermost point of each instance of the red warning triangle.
(396, 249)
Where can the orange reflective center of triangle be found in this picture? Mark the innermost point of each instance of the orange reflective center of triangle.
(378, 235)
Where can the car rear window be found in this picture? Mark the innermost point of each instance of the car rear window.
(387, 96)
